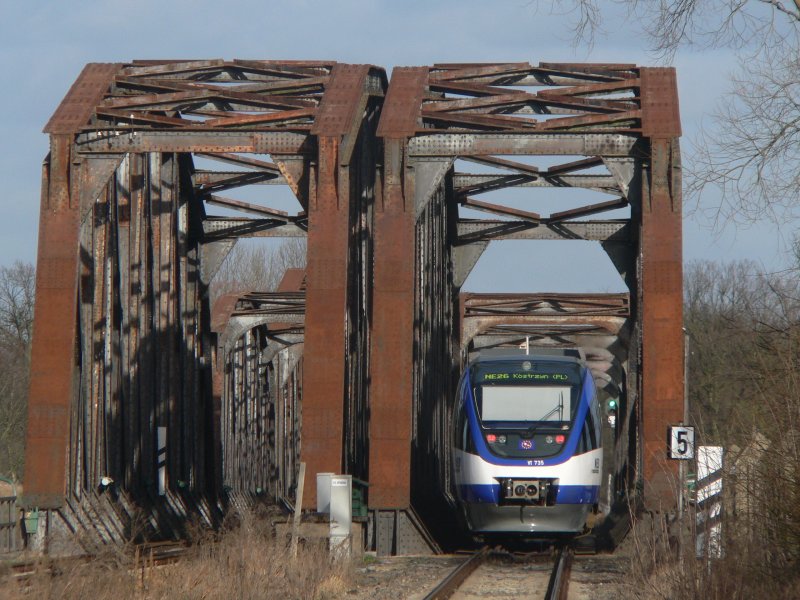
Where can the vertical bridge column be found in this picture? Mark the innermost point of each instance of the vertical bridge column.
(392, 347)
(661, 283)
(325, 357)
(69, 186)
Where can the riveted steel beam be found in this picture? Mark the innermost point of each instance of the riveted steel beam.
(476, 183)
(474, 230)
(333, 200)
(132, 140)
(53, 348)
(391, 350)
(220, 228)
(661, 284)
(470, 144)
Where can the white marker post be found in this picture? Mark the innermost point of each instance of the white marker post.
(709, 502)
(681, 442)
(681, 447)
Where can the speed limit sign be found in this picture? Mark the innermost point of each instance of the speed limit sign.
(681, 442)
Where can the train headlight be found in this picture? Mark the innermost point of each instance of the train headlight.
(532, 490)
(519, 490)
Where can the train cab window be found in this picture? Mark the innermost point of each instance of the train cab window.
(526, 409)
(528, 404)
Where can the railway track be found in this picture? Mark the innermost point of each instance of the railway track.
(507, 575)
(144, 555)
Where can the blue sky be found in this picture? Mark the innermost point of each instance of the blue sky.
(44, 45)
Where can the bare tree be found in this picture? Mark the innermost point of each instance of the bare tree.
(751, 154)
(258, 267)
(745, 395)
(751, 151)
(16, 325)
(17, 285)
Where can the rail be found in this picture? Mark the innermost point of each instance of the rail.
(457, 576)
(558, 586)
(150, 554)
(557, 582)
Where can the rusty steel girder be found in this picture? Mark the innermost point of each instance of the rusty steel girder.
(259, 367)
(608, 116)
(122, 380)
(391, 355)
(126, 245)
(661, 285)
(558, 314)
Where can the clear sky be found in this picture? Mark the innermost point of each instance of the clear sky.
(44, 45)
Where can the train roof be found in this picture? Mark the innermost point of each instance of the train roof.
(569, 355)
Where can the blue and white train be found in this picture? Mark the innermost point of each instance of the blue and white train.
(527, 454)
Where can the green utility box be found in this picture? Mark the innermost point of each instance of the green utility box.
(359, 492)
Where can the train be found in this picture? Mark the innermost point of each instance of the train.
(527, 454)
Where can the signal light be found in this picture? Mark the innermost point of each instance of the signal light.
(611, 405)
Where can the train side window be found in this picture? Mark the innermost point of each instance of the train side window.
(583, 442)
(591, 430)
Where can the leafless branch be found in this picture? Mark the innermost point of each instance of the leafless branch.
(751, 155)
(751, 151)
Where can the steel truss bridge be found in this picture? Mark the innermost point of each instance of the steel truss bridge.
(149, 409)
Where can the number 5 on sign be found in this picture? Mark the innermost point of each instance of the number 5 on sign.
(681, 442)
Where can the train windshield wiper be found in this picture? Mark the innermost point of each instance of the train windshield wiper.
(540, 422)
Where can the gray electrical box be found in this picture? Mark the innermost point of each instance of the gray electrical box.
(324, 492)
(341, 508)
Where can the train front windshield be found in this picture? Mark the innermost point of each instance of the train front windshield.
(526, 408)
(514, 404)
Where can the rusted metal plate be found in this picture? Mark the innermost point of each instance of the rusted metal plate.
(401, 109)
(78, 105)
(54, 334)
(324, 355)
(328, 269)
(661, 283)
(338, 110)
(659, 97)
(662, 320)
(294, 280)
(392, 343)
(222, 311)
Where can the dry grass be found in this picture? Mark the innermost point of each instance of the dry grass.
(245, 562)
(663, 564)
